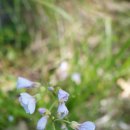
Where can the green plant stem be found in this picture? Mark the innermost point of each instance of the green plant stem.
(63, 121)
(52, 105)
(53, 126)
(66, 121)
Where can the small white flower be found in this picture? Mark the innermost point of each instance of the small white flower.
(28, 102)
(63, 70)
(24, 83)
(42, 123)
(76, 78)
(62, 110)
(11, 118)
(62, 95)
(64, 66)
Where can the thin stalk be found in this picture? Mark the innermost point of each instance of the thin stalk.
(52, 106)
(62, 121)
(54, 128)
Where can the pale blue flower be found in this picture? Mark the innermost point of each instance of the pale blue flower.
(62, 110)
(42, 110)
(28, 102)
(62, 95)
(24, 83)
(51, 88)
(88, 125)
(42, 123)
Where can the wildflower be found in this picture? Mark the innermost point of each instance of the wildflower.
(64, 65)
(28, 102)
(76, 78)
(51, 88)
(24, 83)
(42, 123)
(42, 110)
(63, 70)
(88, 125)
(62, 95)
(62, 110)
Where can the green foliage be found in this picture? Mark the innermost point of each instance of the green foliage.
(20, 20)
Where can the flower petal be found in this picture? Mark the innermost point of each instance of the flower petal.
(24, 83)
(62, 95)
(25, 97)
(32, 106)
(28, 102)
(88, 125)
(62, 110)
(42, 123)
(42, 110)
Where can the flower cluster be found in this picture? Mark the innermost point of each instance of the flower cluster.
(28, 102)
(62, 109)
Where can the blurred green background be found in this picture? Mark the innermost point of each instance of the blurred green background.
(82, 46)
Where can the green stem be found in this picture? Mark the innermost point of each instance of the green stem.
(52, 105)
(54, 128)
(63, 121)
(66, 121)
